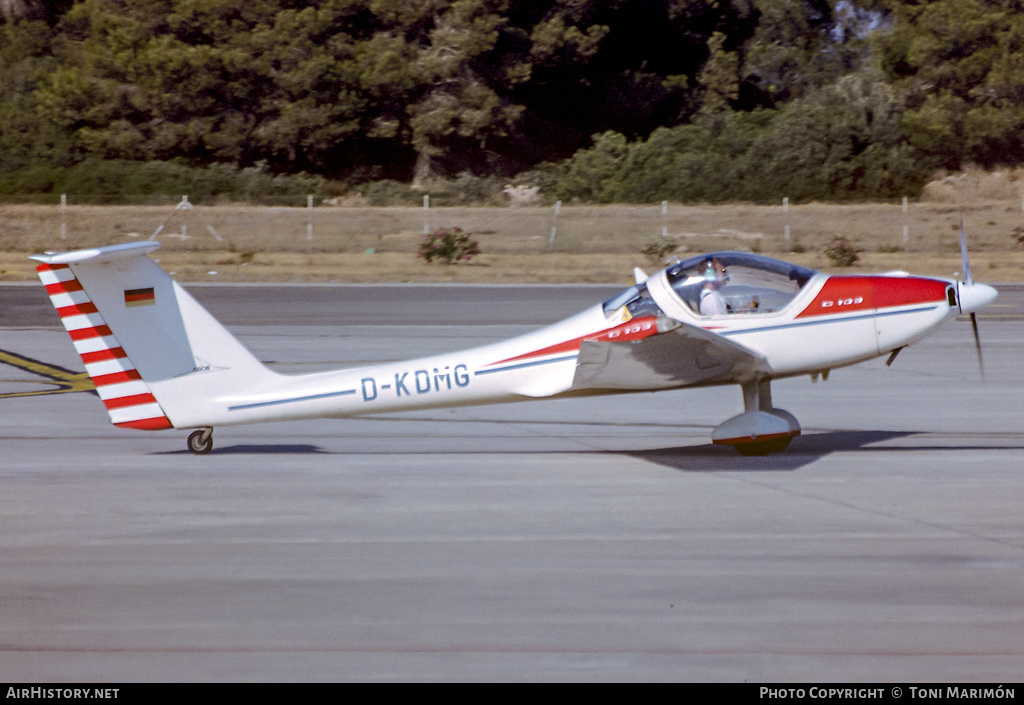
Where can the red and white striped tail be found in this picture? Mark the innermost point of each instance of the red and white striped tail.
(126, 396)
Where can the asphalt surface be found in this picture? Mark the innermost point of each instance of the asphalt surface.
(588, 539)
(407, 304)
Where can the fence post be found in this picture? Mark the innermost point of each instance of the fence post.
(63, 216)
(426, 214)
(554, 226)
(309, 221)
(906, 221)
(664, 218)
(785, 209)
(184, 206)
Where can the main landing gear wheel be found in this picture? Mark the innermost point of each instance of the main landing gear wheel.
(757, 448)
(200, 442)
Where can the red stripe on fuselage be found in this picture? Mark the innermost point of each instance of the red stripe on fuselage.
(849, 294)
(567, 346)
(636, 329)
(906, 291)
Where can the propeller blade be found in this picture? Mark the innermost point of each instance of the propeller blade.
(977, 344)
(976, 295)
(965, 263)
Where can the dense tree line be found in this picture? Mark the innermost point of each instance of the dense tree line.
(605, 99)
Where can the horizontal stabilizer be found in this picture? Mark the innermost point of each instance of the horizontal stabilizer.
(98, 254)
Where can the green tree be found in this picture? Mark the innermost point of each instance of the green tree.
(960, 64)
(371, 89)
(461, 106)
(597, 174)
(209, 80)
(839, 142)
(802, 45)
(719, 78)
(25, 60)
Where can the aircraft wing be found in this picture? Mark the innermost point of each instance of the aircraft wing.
(681, 357)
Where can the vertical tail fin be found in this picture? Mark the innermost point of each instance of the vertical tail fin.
(127, 397)
(145, 342)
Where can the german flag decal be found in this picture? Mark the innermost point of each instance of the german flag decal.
(139, 297)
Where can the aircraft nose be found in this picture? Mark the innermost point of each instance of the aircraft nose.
(973, 297)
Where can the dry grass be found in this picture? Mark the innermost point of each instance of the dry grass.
(593, 243)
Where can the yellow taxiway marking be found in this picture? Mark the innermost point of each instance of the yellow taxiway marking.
(64, 380)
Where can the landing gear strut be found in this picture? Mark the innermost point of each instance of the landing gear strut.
(200, 442)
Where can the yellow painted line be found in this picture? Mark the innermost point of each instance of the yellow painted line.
(65, 380)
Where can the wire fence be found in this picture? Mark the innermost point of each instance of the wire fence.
(562, 228)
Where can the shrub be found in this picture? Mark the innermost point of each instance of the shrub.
(467, 190)
(842, 252)
(450, 245)
(658, 248)
(119, 181)
(464, 190)
(391, 193)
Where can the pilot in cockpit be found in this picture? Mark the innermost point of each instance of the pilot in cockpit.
(715, 276)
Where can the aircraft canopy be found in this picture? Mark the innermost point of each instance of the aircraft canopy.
(748, 283)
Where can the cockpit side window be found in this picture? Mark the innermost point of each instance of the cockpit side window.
(637, 301)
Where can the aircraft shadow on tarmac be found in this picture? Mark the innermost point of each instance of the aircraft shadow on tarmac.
(257, 449)
(803, 451)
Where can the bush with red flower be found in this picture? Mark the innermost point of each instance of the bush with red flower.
(449, 245)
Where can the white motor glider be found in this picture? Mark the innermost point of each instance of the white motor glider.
(160, 361)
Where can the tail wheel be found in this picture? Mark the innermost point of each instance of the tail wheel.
(200, 442)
